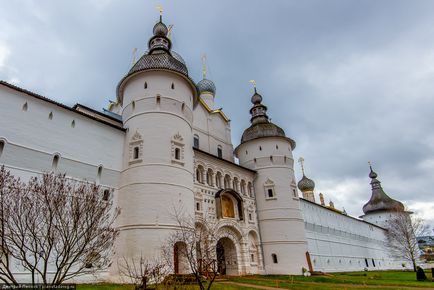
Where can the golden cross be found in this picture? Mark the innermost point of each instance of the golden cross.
(204, 65)
(169, 30)
(160, 8)
(253, 82)
(301, 161)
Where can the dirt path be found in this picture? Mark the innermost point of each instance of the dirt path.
(337, 285)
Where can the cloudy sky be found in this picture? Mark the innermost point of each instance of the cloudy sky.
(350, 81)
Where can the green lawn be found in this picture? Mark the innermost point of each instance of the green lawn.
(377, 280)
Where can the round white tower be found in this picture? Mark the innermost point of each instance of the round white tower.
(265, 148)
(157, 98)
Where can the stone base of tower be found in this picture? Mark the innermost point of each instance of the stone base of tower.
(290, 258)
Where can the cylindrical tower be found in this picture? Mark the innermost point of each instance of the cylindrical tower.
(157, 99)
(265, 148)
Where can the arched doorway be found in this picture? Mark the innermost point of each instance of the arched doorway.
(179, 258)
(227, 262)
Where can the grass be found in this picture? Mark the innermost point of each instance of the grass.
(377, 280)
(350, 279)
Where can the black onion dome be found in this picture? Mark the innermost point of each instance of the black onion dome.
(256, 98)
(306, 184)
(206, 85)
(380, 201)
(160, 29)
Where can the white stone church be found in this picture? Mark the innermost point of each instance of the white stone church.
(163, 143)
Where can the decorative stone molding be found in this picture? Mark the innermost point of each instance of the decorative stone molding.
(135, 148)
(177, 149)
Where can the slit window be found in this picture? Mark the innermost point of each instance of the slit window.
(196, 141)
(173, 86)
(146, 85)
(106, 195)
(274, 257)
(55, 162)
(270, 192)
(2, 147)
(136, 153)
(219, 152)
(177, 153)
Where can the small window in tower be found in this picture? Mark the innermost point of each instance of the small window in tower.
(55, 162)
(219, 151)
(106, 195)
(271, 158)
(270, 192)
(146, 85)
(183, 107)
(2, 146)
(274, 257)
(177, 153)
(173, 86)
(250, 216)
(197, 206)
(260, 148)
(50, 116)
(136, 153)
(252, 258)
(295, 193)
(25, 107)
(196, 141)
(133, 105)
(98, 175)
(73, 124)
(277, 147)
(247, 152)
(158, 100)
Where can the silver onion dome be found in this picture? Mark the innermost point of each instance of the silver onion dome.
(206, 85)
(306, 184)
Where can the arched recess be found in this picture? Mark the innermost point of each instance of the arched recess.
(254, 252)
(228, 197)
(180, 258)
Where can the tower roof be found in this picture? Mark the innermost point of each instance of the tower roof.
(206, 85)
(158, 57)
(306, 184)
(261, 125)
(380, 201)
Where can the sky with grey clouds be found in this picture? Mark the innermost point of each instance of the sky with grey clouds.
(350, 81)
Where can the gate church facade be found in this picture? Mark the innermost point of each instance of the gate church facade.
(162, 143)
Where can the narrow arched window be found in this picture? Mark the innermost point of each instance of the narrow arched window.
(98, 175)
(2, 146)
(219, 152)
(173, 86)
(158, 100)
(183, 107)
(274, 257)
(25, 107)
(146, 85)
(50, 116)
(196, 141)
(136, 153)
(73, 124)
(177, 153)
(55, 162)
(133, 105)
(106, 195)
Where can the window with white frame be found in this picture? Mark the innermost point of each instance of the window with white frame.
(178, 149)
(136, 148)
(270, 192)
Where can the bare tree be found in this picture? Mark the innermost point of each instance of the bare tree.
(192, 248)
(54, 227)
(143, 272)
(402, 230)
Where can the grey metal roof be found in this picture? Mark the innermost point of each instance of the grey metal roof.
(380, 201)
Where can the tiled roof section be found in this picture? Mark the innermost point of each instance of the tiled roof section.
(266, 129)
(45, 99)
(155, 61)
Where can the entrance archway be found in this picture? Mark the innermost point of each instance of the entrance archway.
(227, 261)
